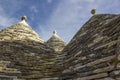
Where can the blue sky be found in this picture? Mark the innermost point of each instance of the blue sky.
(64, 16)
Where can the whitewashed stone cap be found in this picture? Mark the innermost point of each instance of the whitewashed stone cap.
(24, 18)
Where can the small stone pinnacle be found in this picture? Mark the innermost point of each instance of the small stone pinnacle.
(93, 11)
(24, 18)
(54, 32)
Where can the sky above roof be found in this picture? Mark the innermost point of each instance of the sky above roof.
(64, 16)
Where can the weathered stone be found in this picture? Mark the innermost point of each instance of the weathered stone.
(118, 78)
(115, 73)
(105, 69)
(94, 49)
(8, 77)
(119, 57)
(98, 61)
(20, 31)
(56, 43)
(97, 76)
(29, 56)
(108, 78)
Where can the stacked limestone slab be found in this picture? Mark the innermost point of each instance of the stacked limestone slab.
(94, 52)
(6, 72)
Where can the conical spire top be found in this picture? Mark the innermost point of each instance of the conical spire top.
(93, 11)
(24, 18)
(56, 42)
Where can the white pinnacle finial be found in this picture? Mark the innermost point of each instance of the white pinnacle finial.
(24, 18)
(54, 32)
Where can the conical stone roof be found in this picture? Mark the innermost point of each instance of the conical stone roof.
(20, 31)
(24, 55)
(56, 42)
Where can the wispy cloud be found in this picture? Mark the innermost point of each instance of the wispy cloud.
(34, 9)
(49, 1)
(6, 20)
(8, 11)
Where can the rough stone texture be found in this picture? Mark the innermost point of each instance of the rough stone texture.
(56, 43)
(20, 32)
(92, 54)
(28, 56)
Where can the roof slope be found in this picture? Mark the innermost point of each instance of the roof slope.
(93, 52)
(20, 31)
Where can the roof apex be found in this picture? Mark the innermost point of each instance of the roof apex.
(24, 18)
